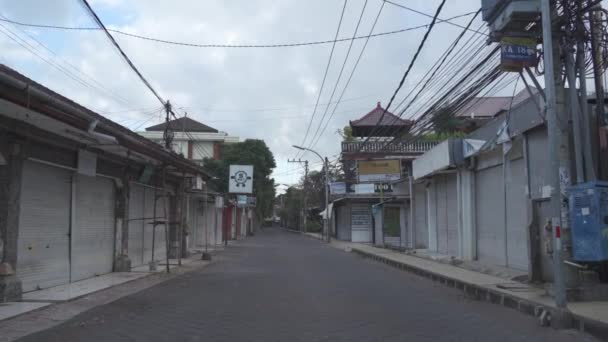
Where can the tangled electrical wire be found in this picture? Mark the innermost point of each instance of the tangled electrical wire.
(575, 25)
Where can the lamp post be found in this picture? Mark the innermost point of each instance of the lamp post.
(326, 167)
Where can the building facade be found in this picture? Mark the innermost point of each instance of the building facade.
(485, 198)
(375, 205)
(80, 195)
(192, 139)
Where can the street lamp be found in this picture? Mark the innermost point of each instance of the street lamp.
(326, 167)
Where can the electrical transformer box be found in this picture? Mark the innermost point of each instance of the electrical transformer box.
(589, 221)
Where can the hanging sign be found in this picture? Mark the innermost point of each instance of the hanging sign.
(240, 179)
(517, 53)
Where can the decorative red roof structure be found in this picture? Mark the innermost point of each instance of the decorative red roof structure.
(389, 125)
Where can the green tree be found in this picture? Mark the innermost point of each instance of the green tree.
(249, 152)
(444, 122)
(293, 204)
(347, 134)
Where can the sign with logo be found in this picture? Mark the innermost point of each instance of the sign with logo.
(337, 188)
(517, 53)
(241, 179)
(378, 171)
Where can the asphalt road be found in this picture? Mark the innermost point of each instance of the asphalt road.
(279, 286)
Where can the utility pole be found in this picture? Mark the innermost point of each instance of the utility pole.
(559, 174)
(305, 162)
(598, 119)
(325, 162)
(168, 133)
(326, 221)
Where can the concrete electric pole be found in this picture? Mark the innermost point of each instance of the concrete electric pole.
(559, 163)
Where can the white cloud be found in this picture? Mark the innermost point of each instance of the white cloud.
(231, 79)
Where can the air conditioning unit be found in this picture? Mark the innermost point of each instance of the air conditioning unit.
(589, 221)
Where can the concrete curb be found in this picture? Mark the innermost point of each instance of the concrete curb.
(528, 307)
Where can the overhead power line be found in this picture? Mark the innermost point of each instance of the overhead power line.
(331, 54)
(439, 65)
(350, 77)
(240, 46)
(121, 51)
(409, 69)
(430, 16)
(331, 97)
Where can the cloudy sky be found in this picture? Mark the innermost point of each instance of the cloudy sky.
(263, 93)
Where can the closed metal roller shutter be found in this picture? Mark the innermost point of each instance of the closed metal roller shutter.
(343, 223)
(421, 229)
(517, 231)
(490, 206)
(452, 214)
(44, 227)
(208, 227)
(219, 225)
(361, 223)
(442, 214)
(198, 221)
(136, 224)
(192, 221)
(93, 231)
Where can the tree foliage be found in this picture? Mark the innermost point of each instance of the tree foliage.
(347, 134)
(444, 122)
(293, 204)
(249, 152)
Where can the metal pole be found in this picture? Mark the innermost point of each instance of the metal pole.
(554, 141)
(305, 195)
(182, 203)
(326, 161)
(165, 204)
(205, 221)
(152, 264)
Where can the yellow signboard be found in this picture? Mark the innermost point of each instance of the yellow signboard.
(379, 170)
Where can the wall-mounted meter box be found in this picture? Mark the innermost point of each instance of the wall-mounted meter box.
(589, 221)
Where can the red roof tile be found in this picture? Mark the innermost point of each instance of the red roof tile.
(371, 119)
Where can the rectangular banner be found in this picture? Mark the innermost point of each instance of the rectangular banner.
(378, 170)
(337, 188)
